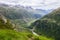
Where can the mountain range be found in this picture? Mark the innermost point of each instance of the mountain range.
(16, 21)
(13, 23)
(20, 14)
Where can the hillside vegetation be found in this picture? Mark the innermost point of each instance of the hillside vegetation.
(8, 32)
(49, 25)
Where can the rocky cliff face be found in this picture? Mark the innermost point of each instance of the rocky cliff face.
(3, 18)
(5, 23)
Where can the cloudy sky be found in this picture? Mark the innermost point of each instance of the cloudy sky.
(39, 4)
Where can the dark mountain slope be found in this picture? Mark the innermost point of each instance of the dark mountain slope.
(49, 25)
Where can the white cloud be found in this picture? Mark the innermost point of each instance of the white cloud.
(42, 4)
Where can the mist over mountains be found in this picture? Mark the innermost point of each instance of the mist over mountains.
(36, 4)
(29, 8)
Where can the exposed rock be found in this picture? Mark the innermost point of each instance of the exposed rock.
(3, 18)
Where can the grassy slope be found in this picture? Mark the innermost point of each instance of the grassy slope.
(13, 35)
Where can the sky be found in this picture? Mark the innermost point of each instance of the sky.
(36, 4)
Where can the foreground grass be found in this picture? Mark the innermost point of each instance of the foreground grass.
(45, 38)
(13, 35)
(42, 38)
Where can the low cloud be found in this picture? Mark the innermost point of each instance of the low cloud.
(42, 4)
